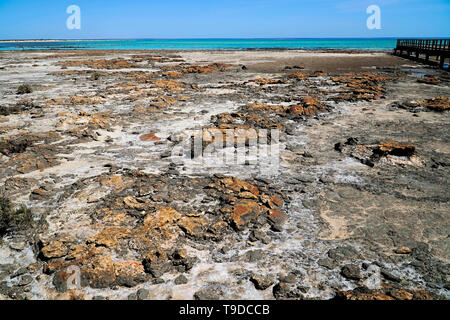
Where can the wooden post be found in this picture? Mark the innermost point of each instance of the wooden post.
(441, 63)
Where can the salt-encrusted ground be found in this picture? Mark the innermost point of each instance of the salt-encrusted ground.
(358, 199)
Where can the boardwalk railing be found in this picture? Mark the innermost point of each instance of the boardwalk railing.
(440, 48)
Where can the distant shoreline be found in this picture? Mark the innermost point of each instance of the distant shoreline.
(52, 40)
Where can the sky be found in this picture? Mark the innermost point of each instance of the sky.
(134, 19)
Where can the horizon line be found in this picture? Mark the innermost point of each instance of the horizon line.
(215, 38)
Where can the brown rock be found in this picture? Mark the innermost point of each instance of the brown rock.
(193, 226)
(76, 252)
(156, 262)
(115, 181)
(170, 85)
(356, 295)
(396, 149)
(53, 265)
(403, 250)
(319, 74)
(149, 137)
(263, 81)
(247, 195)
(401, 295)
(133, 203)
(54, 249)
(180, 258)
(218, 227)
(100, 273)
(162, 217)
(261, 282)
(429, 80)
(238, 185)
(39, 192)
(110, 237)
(298, 76)
(277, 201)
(351, 272)
(437, 104)
(243, 212)
(385, 294)
(129, 273)
(422, 295)
(276, 217)
(308, 106)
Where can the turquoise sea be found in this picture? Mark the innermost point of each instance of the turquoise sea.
(207, 44)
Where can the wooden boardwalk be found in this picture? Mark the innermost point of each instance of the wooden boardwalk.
(424, 49)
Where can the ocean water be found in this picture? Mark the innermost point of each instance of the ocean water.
(207, 44)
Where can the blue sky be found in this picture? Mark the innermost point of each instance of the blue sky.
(46, 19)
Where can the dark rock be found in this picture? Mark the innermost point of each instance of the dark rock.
(351, 272)
(142, 294)
(343, 253)
(352, 141)
(254, 255)
(166, 154)
(24, 89)
(9, 268)
(25, 280)
(19, 272)
(326, 180)
(338, 146)
(327, 263)
(18, 246)
(368, 162)
(4, 288)
(283, 291)
(158, 281)
(208, 294)
(276, 220)
(389, 276)
(305, 178)
(365, 265)
(180, 258)
(225, 249)
(156, 263)
(181, 280)
(261, 282)
(290, 278)
(60, 281)
(27, 288)
(256, 235)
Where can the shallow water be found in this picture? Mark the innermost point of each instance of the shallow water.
(207, 44)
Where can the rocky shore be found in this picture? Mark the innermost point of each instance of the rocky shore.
(357, 207)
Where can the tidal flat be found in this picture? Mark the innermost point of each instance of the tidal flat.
(356, 207)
